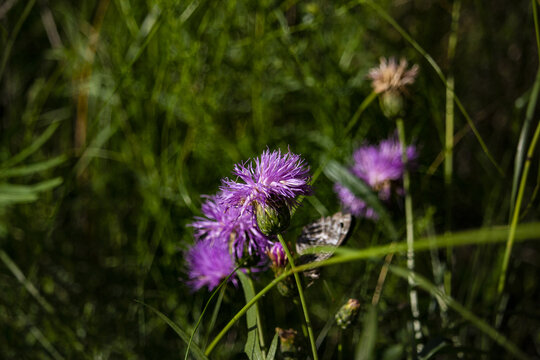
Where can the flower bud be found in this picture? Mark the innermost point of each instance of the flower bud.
(277, 255)
(273, 218)
(348, 313)
(288, 347)
(391, 104)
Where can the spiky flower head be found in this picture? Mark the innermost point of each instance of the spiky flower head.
(271, 178)
(391, 76)
(228, 225)
(208, 263)
(381, 167)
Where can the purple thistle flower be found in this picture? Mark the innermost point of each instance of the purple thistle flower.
(269, 178)
(354, 205)
(380, 166)
(227, 225)
(209, 263)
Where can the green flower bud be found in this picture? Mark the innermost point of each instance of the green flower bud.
(348, 313)
(391, 104)
(273, 218)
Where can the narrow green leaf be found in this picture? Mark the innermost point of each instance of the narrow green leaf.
(252, 347)
(364, 349)
(273, 348)
(482, 325)
(216, 290)
(14, 193)
(33, 147)
(183, 335)
(338, 173)
(32, 290)
(32, 168)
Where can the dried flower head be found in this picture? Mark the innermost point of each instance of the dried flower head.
(227, 225)
(273, 177)
(389, 76)
(208, 263)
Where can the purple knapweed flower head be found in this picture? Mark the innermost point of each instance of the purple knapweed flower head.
(227, 225)
(381, 167)
(271, 178)
(209, 263)
(353, 204)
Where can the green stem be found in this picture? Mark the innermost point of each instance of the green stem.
(410, 231)
(363, 106)
(486, 236)
(531, 106)
(301, 295)
(515, 216)
(449, 138)
(515, 205)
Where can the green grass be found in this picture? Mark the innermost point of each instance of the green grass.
(166, 96)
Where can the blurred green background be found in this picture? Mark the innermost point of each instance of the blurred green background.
(116, 116)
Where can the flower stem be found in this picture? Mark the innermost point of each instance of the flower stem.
(301, 295)
(410, 233)
(517, 206)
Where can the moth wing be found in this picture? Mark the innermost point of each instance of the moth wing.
(327, 231)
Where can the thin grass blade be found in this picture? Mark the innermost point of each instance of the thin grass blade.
(199, 355)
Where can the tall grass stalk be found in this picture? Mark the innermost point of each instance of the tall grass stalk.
(409, 218)
(529, 113)
(515, 216)
(515, 205)
(449, 138)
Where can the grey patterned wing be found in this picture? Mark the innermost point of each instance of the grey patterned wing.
(327, 231)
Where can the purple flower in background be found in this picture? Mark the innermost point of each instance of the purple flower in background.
(380, 166)
(209, 263)
(272, 177)
(354, 205)
(227, 225)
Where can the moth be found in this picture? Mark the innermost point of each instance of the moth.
(327, 231)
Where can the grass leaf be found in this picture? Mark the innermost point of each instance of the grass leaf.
(252, 347)
(199, 355)
(338, 173)
(468, 315)
(364, 349)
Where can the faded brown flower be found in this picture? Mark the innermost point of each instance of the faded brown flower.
(391, 76)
